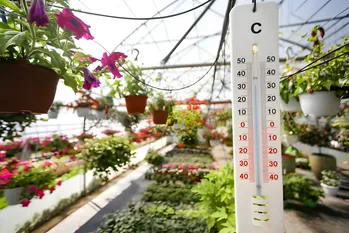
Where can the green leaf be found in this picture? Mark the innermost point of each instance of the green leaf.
(10, 37)
(4, 26)
(10, 5)
(70, 81)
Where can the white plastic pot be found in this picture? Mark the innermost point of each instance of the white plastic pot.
(13, 196)
(83, 112)
(321, 103)
(289, 139)
(330, 190)
(101, 115)
(293, 105)
(52, 114)
(214, 143)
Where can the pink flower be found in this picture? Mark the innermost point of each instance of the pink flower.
(46, 163)
(90, 80)
(40, 193)
(5, 174)
(2, 157)
(59, 183)
(25, 203)
(52, 189)
(73, 158)
(66, 19)
(109, 62)
(37, 13)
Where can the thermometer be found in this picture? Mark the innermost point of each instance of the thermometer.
(256, 118)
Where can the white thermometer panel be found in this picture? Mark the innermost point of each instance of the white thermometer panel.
(256, 118)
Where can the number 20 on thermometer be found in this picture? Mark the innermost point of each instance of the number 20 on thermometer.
(256, 118)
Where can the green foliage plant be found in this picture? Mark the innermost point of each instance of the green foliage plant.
(56, 106)
(217, 202)
(159, 103)
(154, 158)
(12, 125)
(105, 154)
(330, 178)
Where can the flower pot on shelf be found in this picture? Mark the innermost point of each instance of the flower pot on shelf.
(101, 115)
(214, 143)
(83, 111)
(52, 114)
(288, 163)
(330, 190)
(293, 105)
(321, 162)
(321, 103)
(26, 88)
(289, 139)
(136, 104)
(13, 196)
(160, 117)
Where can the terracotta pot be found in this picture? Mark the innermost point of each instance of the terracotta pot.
(288, 163)
(26, 88)
(160, 117)
(136, 104)
(320, 162)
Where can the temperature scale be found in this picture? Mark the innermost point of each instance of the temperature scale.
(256, 118)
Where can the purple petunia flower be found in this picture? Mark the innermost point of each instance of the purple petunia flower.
(37, 13)
(90, 79)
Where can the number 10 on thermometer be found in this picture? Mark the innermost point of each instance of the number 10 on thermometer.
(256, 118)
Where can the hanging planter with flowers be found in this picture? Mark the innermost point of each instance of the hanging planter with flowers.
(37, 50)
(161, 108)
(83, 105)
(102, 108)
(320, 89)
(54, 110)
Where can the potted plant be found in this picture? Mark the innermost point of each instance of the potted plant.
(84, 136)
(132, 88)
(216, 138)
(290, 129)
(324, 83)
(84, 105)
(110, 132)
(330, 182)
(37, 51)
(289, 102)
(54, 109)
(160, 108)
(12, 149)
(22, 181)
(288, 158)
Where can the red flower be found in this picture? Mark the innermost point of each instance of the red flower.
(59, 183)
(40, 193)
(66, 19)
(181, 145)
(52, 189)
(25, 203)
(197, 179)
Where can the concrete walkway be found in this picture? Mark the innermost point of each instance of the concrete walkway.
(221, 155)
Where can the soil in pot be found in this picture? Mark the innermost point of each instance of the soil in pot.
(136, 104)
(160, 117)
(320, 162)
(288, 163)
(26, 88)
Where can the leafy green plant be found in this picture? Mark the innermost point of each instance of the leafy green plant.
(217, 200)
(130, 85)
(330, 178)
(137, 219)
(105, 154)
(13, 124)
(297, 188)
(154, 158)
(56, 106)
(192, 121)
(159, 103)
(331, 76)
(170, 193)
(204, 161)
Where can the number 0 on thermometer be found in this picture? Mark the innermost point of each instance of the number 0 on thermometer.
(256, 118)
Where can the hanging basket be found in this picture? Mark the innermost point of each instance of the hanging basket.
(321, 103)
(52, 114)
(101, 115)
(83, 112)
(136, 104)
(26, 88)
(160, 117)
(293, 105)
